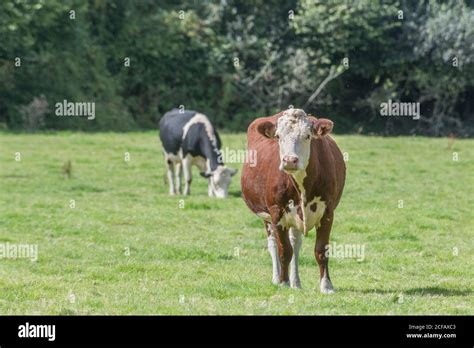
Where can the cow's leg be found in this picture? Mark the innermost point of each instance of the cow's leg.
(186, 164)
(322, 240)
(272, 249)
(285, 252)
(296, 241)
(178, 175)
(210, 191)
(170, 174)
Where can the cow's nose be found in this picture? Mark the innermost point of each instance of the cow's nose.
(290, 162)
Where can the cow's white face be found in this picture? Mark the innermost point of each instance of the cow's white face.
(219, 181)
(294, 131)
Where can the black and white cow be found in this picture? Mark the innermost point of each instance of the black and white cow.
(189, 138)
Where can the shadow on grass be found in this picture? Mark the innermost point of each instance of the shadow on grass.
(235, 193)
(421, 291)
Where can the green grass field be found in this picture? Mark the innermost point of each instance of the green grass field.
(128, 248)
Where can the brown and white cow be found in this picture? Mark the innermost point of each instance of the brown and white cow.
(295, 185)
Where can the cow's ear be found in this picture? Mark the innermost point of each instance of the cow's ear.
(267, 129)
(322, 126)
(233, 171)
(205, 174)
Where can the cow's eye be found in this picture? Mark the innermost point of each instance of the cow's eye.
(277, 136)
(308, 136)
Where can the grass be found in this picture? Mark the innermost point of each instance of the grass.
(128, 248)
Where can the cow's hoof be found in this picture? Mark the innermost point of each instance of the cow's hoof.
(285, 284)
(276, 281)
(326, 286)
(295, 285)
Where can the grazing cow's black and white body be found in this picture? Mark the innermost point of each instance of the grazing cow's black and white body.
(189, 138)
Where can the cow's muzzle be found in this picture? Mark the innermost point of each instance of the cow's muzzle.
(290, 163)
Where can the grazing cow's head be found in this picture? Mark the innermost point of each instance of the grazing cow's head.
(294, 130)
(219, 181)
